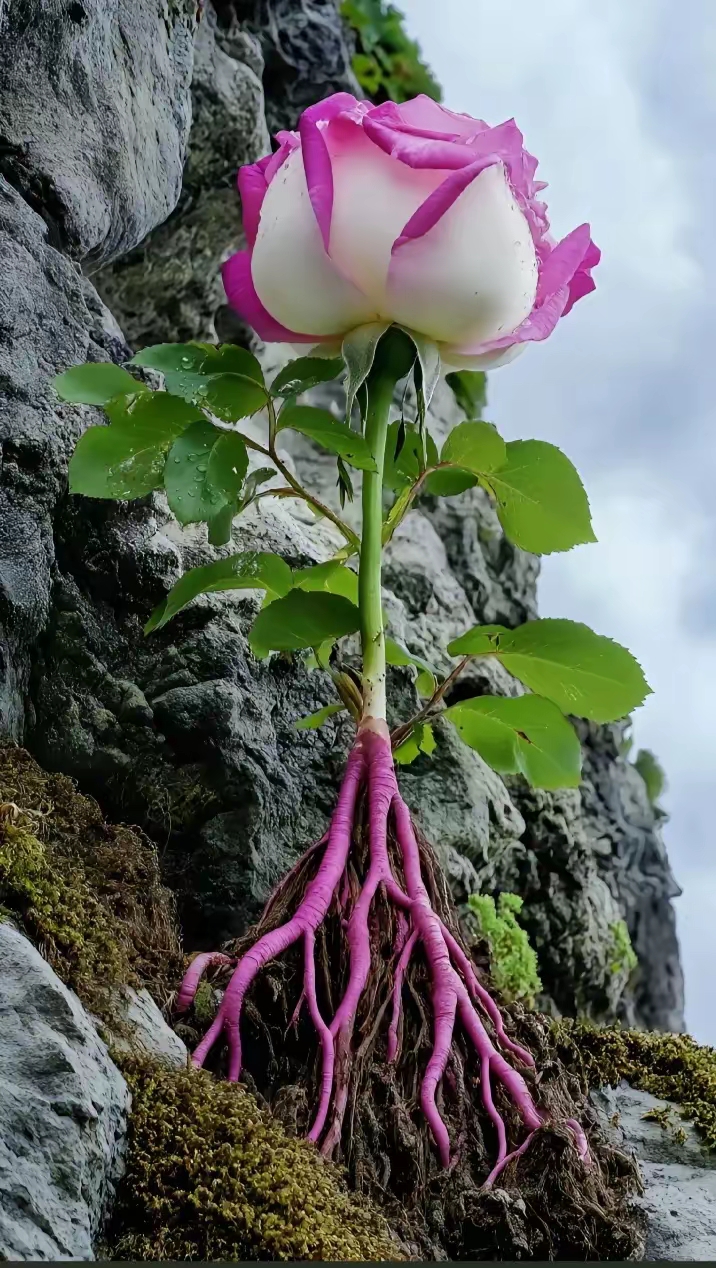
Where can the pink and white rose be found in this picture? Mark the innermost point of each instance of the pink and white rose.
(411, 214)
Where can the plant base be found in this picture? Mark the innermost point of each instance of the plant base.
(367, 1026)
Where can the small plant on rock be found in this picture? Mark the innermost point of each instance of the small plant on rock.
(395, 242)
(512, 960)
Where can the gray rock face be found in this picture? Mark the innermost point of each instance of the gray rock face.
(94, 116)
(186, 298)
(149, 1037)
(50, 318)
(63, 1112)
(679, 1201)
(307, 52)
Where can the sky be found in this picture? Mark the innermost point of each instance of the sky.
(618, 102)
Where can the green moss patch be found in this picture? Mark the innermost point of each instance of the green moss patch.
(670, 1066)
(212, 1176)
(86, 893)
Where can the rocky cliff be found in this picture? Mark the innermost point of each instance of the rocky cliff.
(121, 128)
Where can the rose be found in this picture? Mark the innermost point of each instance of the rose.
(411, 214)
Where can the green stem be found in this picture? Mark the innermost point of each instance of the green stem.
(381, 384)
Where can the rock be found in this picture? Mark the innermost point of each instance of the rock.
(184, 255)
(63, 1112)
(94, 117)
(679, 1201)
(50, 318)
(151, 1037)
(307, 51)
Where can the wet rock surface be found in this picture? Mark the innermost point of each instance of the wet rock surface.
(679, 1174)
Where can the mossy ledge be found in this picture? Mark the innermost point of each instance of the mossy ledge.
(674, 1067)
(211, 1176)
(88, 894)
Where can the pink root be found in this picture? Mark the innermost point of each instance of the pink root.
(403, 962)
(456, 992)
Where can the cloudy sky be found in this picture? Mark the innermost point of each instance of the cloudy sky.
(618, 102)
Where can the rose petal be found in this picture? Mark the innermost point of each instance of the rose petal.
(473, 273)
(373, 198)
(316, 159)
(451, 358)
(424, 113)
(252, 188)
(558, 269)
(294, 278)
(241, 294)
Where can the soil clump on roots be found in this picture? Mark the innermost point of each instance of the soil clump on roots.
(543, 1204)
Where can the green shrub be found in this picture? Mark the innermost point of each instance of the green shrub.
(513, 961)
(388, 64)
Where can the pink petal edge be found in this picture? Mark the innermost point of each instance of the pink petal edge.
(317, 160)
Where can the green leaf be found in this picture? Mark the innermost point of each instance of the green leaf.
(584, 673)
(126, 459)
(232, 396)
(397, 654)
(450, 481)
(313, 720)
(200, 358)
(469, 388)
(327, 431)
(527, 735)
(304, 619)
(254, 480)
(358, 351)
(428, 377)
(425, 683)
(95, 383)
(396, 513)
(188, 357)
(230, 359)
(405, 466)
(541, 502)
(652, 774)
(331, 577)
(304, 373)
(188, 369)
(478, 447)
(482, 640)
(220, 526)
(228, 464)
(190, 474)
(250, 570)
(420, 740)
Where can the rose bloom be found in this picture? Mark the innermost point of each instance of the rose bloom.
(410, 214)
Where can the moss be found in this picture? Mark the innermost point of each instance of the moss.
(87, 894)
(210, 1176)
(513, 962)
(670, 1066)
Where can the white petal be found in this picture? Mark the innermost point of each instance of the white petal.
(294, 278)
(374, 197)
(451, 359)
(473, 276)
